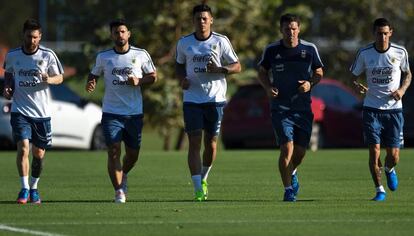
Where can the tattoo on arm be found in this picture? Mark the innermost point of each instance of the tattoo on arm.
(406, 80)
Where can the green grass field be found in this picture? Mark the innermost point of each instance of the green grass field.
(245, 197)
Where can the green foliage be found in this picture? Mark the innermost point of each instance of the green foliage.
(337, 27)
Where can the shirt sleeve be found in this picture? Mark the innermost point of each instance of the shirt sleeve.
(97, 69)
(55, 67)
(358, 66)
(405, 65)
(264, 61)
(179, 53)
(316, 60)
(229, 55)
(147, 65)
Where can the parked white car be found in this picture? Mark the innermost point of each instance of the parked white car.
(76, 123)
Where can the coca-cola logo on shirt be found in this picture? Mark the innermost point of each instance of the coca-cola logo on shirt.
(122, 71)
(201, 58)
(30, 72)
(382, 71)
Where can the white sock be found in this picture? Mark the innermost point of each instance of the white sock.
(294, 171)
(197, 182)
(24, 182)
(119, 191)
(33, 182)
(380, 189)
(388, 170)
(204, 172)
(289, 187)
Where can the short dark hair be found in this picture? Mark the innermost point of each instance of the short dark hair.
(201, 8)
(117, 23)
(381, 22)
(31, 24)
(289, 18)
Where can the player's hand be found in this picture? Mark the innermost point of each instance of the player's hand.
(397, 95)
(44, 77)
(360, 87)
(272, 92)
(8, 93)
(90, 85)
(185, 83)
(212, 67)
(132, 80)
(304, 86)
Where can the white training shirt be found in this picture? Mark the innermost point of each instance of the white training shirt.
(121, 98)
(195, 54)
(31, 95)
(383, 74)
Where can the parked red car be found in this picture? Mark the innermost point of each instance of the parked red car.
(337, 123)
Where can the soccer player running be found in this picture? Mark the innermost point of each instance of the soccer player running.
(29, 70)
(388, 76)
(295, 67)
(203, 59)
(125, 69)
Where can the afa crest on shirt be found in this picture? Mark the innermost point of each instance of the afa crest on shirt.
(393, 60)
(40, 63)
(134, 61)
(303, 53)
(214, 47)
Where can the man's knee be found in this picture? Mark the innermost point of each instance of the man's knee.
(194, 138)
(114, 150)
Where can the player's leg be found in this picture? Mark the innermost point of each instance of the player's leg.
(41, 139)
(302, 135)
(115, 170)
(375, 167)
(37, 167)
(375, 164)
(285, 164)
(372, 133)
(22, 161)
(285, 169)
(283, 129)
(393, 141)
(391, 160)
(194, 162)
(297, 158)
(193, 119)
(112, 126)
(213, 115)
(209, 156)
(22, 134)
(132, 139)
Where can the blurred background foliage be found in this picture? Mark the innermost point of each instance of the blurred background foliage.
(78, 29)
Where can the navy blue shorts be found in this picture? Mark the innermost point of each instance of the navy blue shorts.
(383, 127)
(293, 126)
(117, 128)
(204, 116)
(36, 130)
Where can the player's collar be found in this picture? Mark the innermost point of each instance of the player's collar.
(376, 49)
(129, 47)
(29, 54)
(195, 36)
